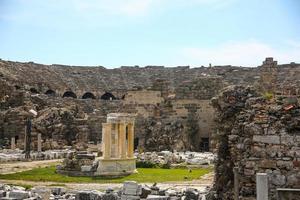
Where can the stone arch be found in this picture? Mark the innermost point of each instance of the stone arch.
(50, 93)
(108, 96)
(17, 87)
(69, 94)
(88, 95)
(33, 91)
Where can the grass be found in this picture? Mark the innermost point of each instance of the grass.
(144, 175)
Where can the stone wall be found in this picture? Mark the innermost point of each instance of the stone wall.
(256, 135)
(165, 100)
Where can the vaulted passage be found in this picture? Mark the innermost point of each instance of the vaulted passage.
(50, 93)
(88, 95)
(34, 91)
(108, 96)
(70, 94)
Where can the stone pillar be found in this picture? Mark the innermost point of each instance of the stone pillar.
(130, 143)
(106, 140)
(39, 142)
(236, 183)
(116, 137)
(262, 189)
(13, 143)
(122, 131)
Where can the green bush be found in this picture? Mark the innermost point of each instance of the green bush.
(166, 166)
(145, 164)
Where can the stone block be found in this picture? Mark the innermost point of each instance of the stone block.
(18, 194)
(129, 197)
(58, 190)
(88, 195)
(2, 193)
(192, 194)
(157, 197)
(132, 188)
(268, 139)
(268, 164)
(86, 168)
(43, 192)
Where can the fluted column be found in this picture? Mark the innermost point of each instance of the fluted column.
(122, 131)
(130, 143)
(106, 140)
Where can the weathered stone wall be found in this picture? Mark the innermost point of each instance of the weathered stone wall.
(168, 101)
(256, 135)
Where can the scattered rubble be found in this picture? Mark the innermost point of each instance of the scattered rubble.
(130, 190)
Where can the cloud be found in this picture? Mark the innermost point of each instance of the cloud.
(241, 53)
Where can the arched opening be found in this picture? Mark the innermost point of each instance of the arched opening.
(69, 94)
(34, 91)
(108, 96)
(88, 95)
(17, 87)
(123, 97)
(50, 93)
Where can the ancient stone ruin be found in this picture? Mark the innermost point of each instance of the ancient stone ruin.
(248, 116)
(256, 135)
(117, 150)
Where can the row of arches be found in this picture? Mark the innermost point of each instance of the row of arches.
(87, 95)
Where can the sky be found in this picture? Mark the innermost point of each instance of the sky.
(114, 33)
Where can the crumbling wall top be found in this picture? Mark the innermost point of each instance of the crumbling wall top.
(120, 117)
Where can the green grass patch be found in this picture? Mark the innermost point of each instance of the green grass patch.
(144, 175)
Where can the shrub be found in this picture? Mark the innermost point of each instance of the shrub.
(145, 164)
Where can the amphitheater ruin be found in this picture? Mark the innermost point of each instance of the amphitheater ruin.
(248, 116)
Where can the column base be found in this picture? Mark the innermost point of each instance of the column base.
(116, 167)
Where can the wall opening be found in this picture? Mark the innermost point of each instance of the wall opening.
(34, 91)
(69, 94)
(204, 145)
(136, 143)
(108, 96)
(17, 87)
(88, 95)
(50, 93)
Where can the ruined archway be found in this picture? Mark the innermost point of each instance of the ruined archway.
(70, 94)
(108, 96)
(88, 95)
(33, 91)
(50, 93)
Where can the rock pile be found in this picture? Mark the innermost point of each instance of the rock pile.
(8, 155)
(256, 134)
(130, 191)
(175, 158)
(80, 163)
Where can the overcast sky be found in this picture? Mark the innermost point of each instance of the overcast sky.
(112, 33)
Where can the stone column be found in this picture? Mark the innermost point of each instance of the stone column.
(39, 142)
(13, 143)
(262, 189)
(130, 144)
(122, 131)
(236, 183)
(106, 140)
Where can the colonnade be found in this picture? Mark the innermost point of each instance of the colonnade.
(118, 140)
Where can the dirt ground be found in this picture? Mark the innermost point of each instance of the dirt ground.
(10, 168)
